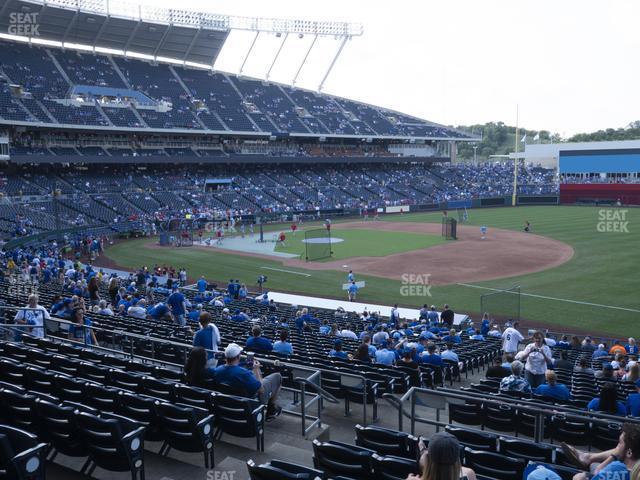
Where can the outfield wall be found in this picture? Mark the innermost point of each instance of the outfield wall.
(629, 194)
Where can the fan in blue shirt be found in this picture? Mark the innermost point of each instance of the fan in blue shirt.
(385, 356)
(452, 337)
(552, 388)
(201, 284)
(337, 350)
(282, 346)
(608, 402)
(257, 343)
(431, 357)
(633, 401)
(208, 337)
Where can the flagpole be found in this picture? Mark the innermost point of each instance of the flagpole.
(515, 161)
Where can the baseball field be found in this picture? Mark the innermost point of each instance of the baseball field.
(577, 270)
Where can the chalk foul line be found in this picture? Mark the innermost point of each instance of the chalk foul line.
(287, 271)
(544, 297)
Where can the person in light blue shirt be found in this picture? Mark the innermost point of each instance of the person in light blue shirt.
(282, 346)
(631, 347)
(432, 315)
(452, 337)
(449, 354)
(325, 328)
(613, 464)
(477, 336)
(353, 291)
(366, 340)
(385, 356)
(351, 277)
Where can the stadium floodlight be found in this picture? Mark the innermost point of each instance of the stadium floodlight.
(209, 21)
(170, 21)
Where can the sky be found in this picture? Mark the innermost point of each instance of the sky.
(567, 66)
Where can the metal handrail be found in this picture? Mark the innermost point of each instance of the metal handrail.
(320, 394)
(536, 410)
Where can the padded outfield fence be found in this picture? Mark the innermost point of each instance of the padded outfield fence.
(449, 228)
(317, 243)
(502, 304)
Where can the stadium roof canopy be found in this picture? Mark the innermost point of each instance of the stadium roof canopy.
(188, 36)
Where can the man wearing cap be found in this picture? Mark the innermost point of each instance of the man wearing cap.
(441, 459)
(600, 352)
(337, 350)
(251, 381)
(606, 373)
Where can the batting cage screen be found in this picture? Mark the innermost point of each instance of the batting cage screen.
(449, 228)
(502, 304)
(317, 244)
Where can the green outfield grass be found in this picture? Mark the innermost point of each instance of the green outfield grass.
(363, 243)
(604, 270)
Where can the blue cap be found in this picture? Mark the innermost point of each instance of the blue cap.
(607, 366)
(397, 335)
(337, 342)
(543, 473)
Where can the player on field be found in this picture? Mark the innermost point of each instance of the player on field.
(353, 291)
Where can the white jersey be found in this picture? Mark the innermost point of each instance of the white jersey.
(510, 340)
(35, 317)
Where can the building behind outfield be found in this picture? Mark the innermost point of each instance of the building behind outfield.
(592, 171)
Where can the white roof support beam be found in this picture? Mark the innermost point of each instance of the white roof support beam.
(132, 35)
(193, 42)
(72, 24)
(246, 57)
(333, 62)
(275, 59)
(304, 60)
(100, 32)
(162, 40)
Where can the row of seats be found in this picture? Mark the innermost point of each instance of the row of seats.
(384, 454)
